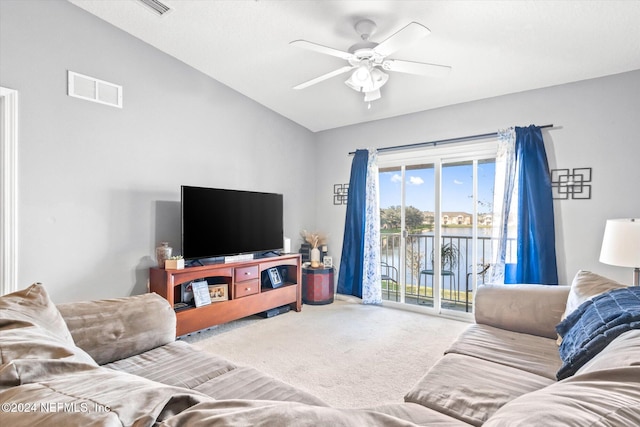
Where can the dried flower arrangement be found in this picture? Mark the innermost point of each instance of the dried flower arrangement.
(315, 239)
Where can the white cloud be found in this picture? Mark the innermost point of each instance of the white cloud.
(455, 181)
(415, 180)
(396, 178)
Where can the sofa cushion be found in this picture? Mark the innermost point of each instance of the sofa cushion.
(623, 351)
(472, 389)
(530, 353)
(525, 308)
(606, 398)
(184, 365)
(244, 413)
(114, 329)
(35, 343)
(99, 397)
(249, 383)
(177, 364)
(418, 415)
(31, 354)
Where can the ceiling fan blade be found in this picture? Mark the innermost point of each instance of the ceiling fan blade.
(404, 37)
(321, 49)
(325, 77)
(418, 68)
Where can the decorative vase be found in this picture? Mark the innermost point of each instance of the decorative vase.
(315, 257)
(163, 253)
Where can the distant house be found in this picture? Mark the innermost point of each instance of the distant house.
(485, 219)
(458, 218)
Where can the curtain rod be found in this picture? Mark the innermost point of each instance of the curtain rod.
(445, 141)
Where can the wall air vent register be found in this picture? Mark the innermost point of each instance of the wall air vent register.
(95, 90)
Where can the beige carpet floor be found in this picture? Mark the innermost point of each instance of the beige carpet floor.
(350, 355)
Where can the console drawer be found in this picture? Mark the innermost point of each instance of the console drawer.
(247, 287)
(246, 273)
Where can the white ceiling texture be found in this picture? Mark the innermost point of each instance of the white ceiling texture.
(493, 48)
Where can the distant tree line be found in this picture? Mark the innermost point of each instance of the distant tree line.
(414, 219)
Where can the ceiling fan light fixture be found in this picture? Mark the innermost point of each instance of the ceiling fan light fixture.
(376, 80)
(355, 86)
(379, 78)
(360, 78)
(372, 95)
(362, 74)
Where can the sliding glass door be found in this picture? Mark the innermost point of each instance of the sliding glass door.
(406, 216)
(435, 222)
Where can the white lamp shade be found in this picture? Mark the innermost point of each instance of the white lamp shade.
(366, 79)
(359, 78)
(379, 78)
(621, 243)
(372, 95)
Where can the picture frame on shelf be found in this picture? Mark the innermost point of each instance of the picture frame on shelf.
(327, 261)
(201, 293)
(219, 292)
(274, 277)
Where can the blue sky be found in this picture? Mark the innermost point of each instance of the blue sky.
(457, 187)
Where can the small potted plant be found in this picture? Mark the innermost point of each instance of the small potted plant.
(449, 255)
(174, 263)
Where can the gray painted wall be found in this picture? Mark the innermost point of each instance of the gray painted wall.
(597, 126)
(99, 187)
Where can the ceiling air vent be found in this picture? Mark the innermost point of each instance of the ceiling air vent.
(157, 7)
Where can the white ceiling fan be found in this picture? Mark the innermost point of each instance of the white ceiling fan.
(367, 59)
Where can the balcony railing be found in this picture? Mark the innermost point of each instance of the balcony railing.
(456, 284)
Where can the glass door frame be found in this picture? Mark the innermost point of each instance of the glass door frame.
(437, 156)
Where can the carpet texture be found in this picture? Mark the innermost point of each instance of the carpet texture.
(349, 355)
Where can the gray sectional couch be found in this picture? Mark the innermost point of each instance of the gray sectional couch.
(116, 362)
(501, 371)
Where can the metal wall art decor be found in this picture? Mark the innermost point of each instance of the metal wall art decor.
(340, 193)
(574, 183)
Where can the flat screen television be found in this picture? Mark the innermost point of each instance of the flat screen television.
(220, 222)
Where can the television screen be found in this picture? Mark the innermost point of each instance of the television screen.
(218, 222)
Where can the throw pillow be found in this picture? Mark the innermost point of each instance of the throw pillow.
(585, 286)
(33, 307)
(35, 342)
(595, 324)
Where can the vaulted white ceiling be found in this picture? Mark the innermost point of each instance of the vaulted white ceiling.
(493, 47)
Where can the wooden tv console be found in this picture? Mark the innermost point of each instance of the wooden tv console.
(246, 296)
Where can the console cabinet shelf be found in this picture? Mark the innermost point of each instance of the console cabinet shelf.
(246, 296)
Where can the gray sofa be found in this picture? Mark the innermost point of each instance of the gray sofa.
(501, 371)
(116, 362)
